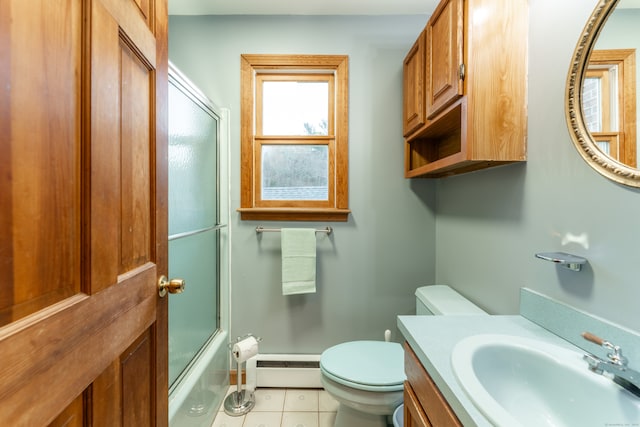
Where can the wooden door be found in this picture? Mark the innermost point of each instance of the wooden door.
(83, 224)
(413, 80)
(444, 59)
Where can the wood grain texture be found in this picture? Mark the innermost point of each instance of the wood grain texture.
(414, 415)
(75, 313)
(444, 40)
(625, 60)
(497, 80)
(102, 175)
(414, 86)
(431, 400)
(62, 346)
(42, 119)
(137, 385)
(6, 186)
(251, 206)
(486, 113)
(135, 158)
(160, 219)
(73, 415)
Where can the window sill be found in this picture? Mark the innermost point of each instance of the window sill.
(294, 214)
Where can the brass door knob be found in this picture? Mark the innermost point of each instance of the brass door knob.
(173, 286)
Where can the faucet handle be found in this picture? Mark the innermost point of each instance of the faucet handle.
(593, 338)
(616, 355)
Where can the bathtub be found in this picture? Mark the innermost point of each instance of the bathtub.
(198, 394)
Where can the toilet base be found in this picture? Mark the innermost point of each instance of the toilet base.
(349, 417)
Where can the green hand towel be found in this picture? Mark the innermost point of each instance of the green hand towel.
(298, 260)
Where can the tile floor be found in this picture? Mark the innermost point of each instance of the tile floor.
(276, 407)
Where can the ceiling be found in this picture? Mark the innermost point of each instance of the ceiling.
(302, 7)
(314, 7)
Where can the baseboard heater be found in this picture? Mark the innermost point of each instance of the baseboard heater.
(284, 371)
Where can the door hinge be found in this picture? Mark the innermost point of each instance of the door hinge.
(461, 71)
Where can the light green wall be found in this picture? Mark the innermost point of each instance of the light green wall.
(490, 224)
(370, 266)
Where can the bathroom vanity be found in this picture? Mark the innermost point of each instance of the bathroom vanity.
(424, 405)
(435, 396)
(429, 343)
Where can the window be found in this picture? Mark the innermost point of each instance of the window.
(609, 103)
(294, 137)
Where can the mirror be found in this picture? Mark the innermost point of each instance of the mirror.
(601, 93)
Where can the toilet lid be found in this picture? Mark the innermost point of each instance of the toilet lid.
(366, 365)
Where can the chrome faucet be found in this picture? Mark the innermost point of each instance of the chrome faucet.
(617, 366)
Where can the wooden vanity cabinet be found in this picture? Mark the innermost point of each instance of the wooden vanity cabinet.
(414, 415)
(474, 89)
(424, 405)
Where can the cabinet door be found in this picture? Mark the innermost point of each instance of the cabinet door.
(414, 415)
(426, 392)
(414, 86)
(444, 41)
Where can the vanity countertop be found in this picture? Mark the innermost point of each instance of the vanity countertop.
(433, 338)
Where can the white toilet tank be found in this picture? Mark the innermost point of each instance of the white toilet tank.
(443, 300)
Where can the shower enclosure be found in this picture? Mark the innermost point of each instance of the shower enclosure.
(198, 253)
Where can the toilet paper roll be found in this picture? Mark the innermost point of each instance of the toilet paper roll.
(245, 349)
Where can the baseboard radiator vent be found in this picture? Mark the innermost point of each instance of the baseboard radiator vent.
(284, 371)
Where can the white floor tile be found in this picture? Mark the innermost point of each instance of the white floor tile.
(269, 400)
(224, 420)
(299, 419)
(326, 419)
(262, 419)
(326, 402)
(277, 407)
(301, 400)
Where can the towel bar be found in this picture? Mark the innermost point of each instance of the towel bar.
(261, 229)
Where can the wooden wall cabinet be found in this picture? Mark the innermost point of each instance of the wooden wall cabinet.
(424, 405)
(444, 56)
(414, 89)
(473, 89)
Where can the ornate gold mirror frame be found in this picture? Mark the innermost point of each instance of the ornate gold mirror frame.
(581, 137)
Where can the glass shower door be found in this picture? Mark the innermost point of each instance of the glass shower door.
(194, 237)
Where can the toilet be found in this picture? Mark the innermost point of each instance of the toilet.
(367, 377)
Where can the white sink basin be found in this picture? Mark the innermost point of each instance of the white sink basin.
(516, 381)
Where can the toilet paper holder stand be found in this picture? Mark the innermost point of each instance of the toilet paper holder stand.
(239, 402)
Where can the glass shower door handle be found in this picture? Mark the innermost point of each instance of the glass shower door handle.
(173, 286)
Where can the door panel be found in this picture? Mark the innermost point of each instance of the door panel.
(138, 397)
(45, 119)
(83, 221)
(72, 416)
(107, 409)
(135, 178)
(104, 155)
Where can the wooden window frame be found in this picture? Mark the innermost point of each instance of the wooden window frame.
(261, 140)
(252, 207)
(626, 99)
(614, 139)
